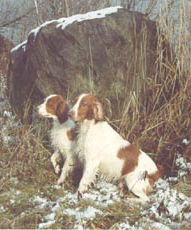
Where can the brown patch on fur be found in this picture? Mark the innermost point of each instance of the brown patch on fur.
(130, 155)
(57, 106)
(154, 177)
(72, 134)
(98, 111)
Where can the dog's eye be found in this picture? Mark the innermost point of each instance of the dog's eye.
(83, 104)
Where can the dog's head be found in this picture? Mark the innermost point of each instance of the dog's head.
(86, 107)
(54, 107)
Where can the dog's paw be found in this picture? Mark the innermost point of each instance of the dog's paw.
(57, 169)
(82, 189)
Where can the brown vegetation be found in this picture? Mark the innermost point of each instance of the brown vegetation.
(155, 117)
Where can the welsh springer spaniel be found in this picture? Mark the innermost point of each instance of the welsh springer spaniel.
(62, 136)
(105, 152)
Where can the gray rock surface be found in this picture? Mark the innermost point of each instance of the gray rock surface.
(85, 53)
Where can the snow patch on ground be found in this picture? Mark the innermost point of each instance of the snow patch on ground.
(168, 209)
(124, 226)
(185, 141)
(168, 205)
(42, 202)
(89, 213)
(2, 209)
(183, 165)
(46, 225)
(103, 195)
(9, 122)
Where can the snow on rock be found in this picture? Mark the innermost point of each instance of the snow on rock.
(88, 16)
(64, 22)
(21, 45)
(37, 29)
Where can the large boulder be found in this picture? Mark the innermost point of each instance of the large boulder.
(104, 52)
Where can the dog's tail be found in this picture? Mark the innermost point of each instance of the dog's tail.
(155, 176)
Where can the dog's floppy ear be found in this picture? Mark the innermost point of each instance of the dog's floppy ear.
(98, 111)
(62, 110)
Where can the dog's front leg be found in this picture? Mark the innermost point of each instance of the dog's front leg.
(89, 175)
(56, 156)
(67, 169)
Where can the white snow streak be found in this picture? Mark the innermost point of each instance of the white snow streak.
(21, 45)
(88, 16)
(64, 22)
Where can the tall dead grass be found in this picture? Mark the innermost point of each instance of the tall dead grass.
(156, 114)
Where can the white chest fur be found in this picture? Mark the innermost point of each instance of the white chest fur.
(59, 135)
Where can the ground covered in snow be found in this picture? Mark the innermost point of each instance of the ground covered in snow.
(30, 198)
(28, 206)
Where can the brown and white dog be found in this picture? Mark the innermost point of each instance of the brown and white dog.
(105, 152)
(62, 138)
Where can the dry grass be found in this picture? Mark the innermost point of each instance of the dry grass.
(156, 113)
(155, 116)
